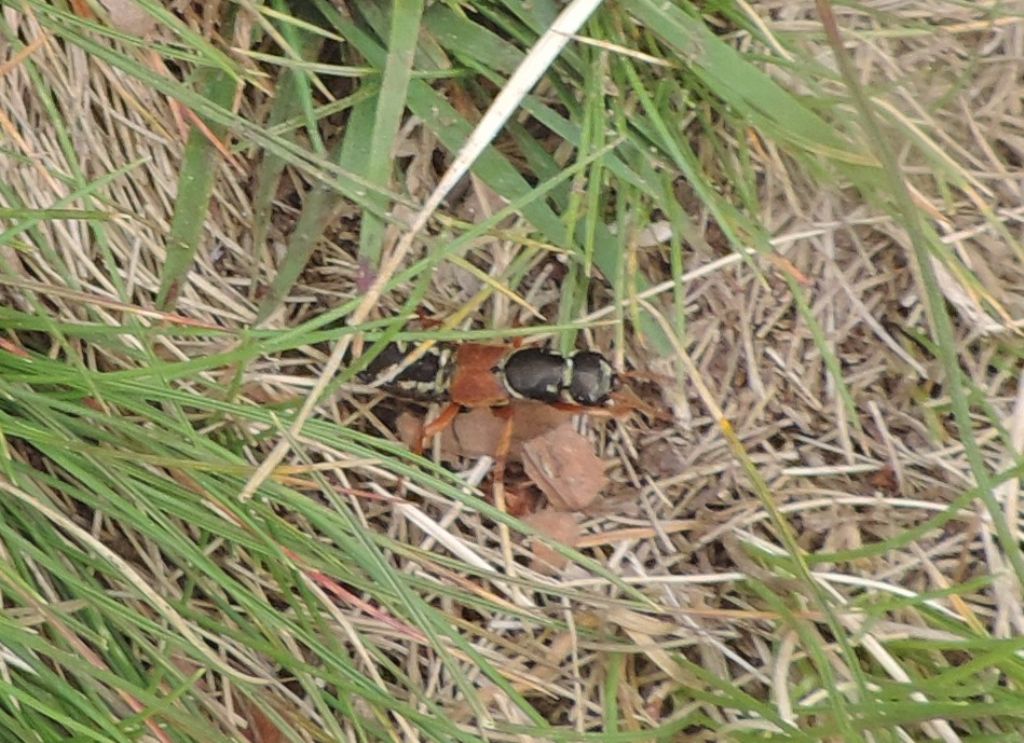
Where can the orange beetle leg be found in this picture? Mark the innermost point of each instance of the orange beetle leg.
(504, 444)
(441, 422)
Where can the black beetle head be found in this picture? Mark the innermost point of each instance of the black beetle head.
(593, 380)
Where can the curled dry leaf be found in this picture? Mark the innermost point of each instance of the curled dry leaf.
(475, 433)
(558, 526)
(18, 351)
(521, 499)
(409, 428)
(885, 480)
(564, 466)
(661, 458)
(261, 728)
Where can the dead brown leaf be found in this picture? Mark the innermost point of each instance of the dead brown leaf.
(565, 468)
(261, 729)
(521, 499)
(476, 432)
(409, 428)
(885, 480)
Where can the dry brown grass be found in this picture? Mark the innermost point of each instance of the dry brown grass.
(684, 523)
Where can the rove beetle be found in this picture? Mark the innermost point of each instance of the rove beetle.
(479, 375)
